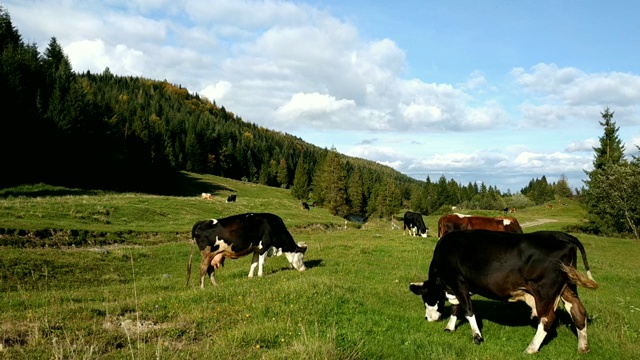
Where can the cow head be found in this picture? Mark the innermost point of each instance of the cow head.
(432, 296)
(296, 257)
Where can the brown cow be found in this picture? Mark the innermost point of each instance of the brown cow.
(453, 222)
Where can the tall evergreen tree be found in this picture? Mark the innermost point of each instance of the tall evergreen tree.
(611, 149)
(333, 184)
(282, 174)
(356, 193)
(300, 188)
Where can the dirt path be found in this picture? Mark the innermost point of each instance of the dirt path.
(536, 222)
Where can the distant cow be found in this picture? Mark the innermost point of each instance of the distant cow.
(512, 210)
(505, 210)
(538, 268)
(206, 196)
(231, 198)
(305, 206)
(414, 222)
(549, 206)
(260, 234)
(454, 222)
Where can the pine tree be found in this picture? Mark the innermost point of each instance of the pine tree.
(334, 184)
(612, 196)
(611, 149)
(562, 188)
(355, 191)
(282, 175)
(300, 188)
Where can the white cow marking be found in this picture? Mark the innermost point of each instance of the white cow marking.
(506, 222)
(452, 299)
(432, 314)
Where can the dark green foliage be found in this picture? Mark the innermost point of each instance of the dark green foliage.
(331, 190)
(612, 196)
(613, 199)
(300, 188)
(611, 149)
(539, 190)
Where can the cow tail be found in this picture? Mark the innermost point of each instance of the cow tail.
(578, 278)
(190, 260)
(575, 241)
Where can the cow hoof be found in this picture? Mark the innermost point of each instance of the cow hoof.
(584, 350)
(477, 339)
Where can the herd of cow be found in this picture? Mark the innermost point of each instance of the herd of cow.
(487, 256)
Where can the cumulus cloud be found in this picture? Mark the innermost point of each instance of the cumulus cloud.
(216, 92)
(95, 56)
(582, 146)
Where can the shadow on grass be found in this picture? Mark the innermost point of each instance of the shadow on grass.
(518, 314)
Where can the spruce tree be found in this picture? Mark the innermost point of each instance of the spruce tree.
(334, 184)
(300, 188)
(611, 149)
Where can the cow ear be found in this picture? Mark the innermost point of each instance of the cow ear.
(417, 288)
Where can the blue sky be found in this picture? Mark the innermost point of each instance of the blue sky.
(499, 92)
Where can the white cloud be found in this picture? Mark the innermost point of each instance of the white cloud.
(95, 56)
(217, 92)
(582, 146)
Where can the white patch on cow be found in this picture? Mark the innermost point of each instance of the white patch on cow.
(567, 306)
(451, 324)
(521, 295)
(214, 221)
(534, 346)
(432, 313)
(424, 234)
(222, 246)
(461, 215)
(506, 222)
(589, 275)
(475, 330)
(452, 299)
(296, 260)
(583, 343)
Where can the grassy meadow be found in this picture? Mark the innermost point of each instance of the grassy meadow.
(118, 290)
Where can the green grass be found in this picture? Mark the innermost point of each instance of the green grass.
(130, 300)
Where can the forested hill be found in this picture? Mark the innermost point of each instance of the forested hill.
(135, 134)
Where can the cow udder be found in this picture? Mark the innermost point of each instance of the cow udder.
(218, 260)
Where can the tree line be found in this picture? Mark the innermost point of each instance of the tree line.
(131, 133)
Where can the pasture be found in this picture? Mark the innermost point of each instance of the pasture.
(117, 289)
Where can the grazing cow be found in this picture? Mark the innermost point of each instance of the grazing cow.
(538, 268)
(506, 210)
(549, 206)
(206, 196)
(512, 210)
(414, 222)
(262, 235)
(305, 206)
(454, 222)
(231, 198)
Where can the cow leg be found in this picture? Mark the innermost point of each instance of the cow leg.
(546, 310)
(206, 268)
(254, 263)
(451, 324)
(261, 260)
(574, 307)
(463, 298)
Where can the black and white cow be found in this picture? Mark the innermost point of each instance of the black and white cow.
(260, 234)
(305, 206)
(232, 198)
(414, 222)
(538, 268)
